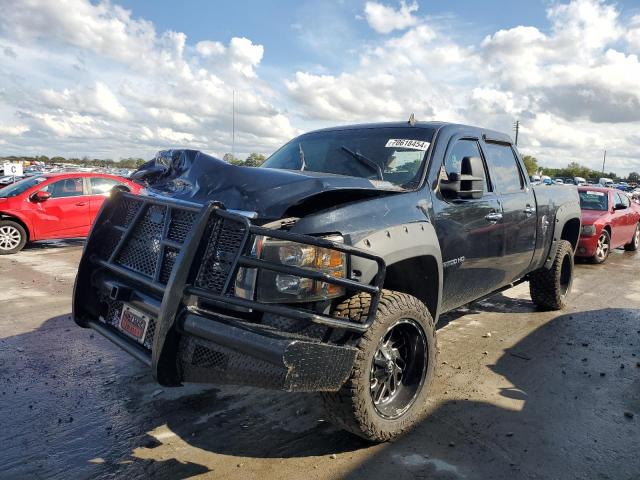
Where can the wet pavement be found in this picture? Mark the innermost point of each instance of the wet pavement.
(519, 394)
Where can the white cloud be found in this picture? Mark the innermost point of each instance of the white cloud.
(245, 56)
(97, 99)
(13, 130)
(575, 89)
(98, 79)
(79, 78)
(207, 48)
(385, 19)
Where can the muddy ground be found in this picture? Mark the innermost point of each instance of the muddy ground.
(545, 395)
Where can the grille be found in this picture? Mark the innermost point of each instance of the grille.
(151, 332)
(181, 221)
(156, 226)
(125, 211)
(109, 242)
(207, 357)
(225, 240)
(204, 361)
(169, 260)
(141, 252)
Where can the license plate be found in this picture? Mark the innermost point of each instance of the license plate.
(134, 323)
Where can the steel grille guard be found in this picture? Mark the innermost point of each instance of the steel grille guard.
(180, 284)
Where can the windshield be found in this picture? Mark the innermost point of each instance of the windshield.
(594, 200)
(21, 186)
(391, 154)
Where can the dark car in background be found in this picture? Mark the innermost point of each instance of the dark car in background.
(610, 219)
(53, 206)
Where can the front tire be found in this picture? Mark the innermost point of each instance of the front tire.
(395, 364)
(13, 237)
(549, 289)
(633, 245)
(603, 249)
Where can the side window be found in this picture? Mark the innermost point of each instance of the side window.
(625, 200)
(102, 186)
(69, 187)
(504, 168)
(463, 148)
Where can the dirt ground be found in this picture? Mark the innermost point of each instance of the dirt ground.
(545, 395)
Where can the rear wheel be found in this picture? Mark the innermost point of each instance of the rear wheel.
(633, 245)
(603, 249)
(386, 391)
(550, 288)
(13, 237)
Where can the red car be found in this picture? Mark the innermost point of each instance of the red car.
(609, 220)
(52, 206)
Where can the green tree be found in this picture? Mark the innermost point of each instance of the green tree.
(531, 163)
(232, 159)
(254, 160)
(633, 177)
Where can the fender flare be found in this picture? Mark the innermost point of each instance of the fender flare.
(398, 243)
(564, 214)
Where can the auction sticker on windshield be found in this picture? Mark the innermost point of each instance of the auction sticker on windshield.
(598, 194)
(406, 143)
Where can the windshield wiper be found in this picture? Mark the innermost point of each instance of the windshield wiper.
(303, 164)
(365, 161)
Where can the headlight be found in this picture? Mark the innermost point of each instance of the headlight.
(588, 230)
(273, 287)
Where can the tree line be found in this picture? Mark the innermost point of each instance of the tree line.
(83, 162)
(252, 160)
(573, 169)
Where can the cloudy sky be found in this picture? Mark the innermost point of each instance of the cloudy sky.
(126, 78)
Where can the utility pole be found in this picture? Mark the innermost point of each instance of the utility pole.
(604, 159)
(516, 128)
(233, 124)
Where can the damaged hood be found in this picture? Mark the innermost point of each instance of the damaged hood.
(197, 177)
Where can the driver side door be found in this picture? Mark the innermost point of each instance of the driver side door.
(620, 233)
(470, 232)
(66, 213)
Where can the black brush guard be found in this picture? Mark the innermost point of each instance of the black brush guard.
(188, 345)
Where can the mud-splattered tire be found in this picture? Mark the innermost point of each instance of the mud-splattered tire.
(633, 245)
(550, 289)
(13, 237)
(399, 318)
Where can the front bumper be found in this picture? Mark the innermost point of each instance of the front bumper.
(587, 246)
(177, 265)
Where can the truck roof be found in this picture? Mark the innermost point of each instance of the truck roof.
(433, 125)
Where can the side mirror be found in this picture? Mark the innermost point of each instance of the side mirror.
(40, 196)
(468, 184)
(619, 206)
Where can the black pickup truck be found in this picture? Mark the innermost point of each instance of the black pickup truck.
(327, 268)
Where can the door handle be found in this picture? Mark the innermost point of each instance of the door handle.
(529, 210)
(81, 204)
(493, 217)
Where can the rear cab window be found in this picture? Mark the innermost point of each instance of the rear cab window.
(504, 168)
